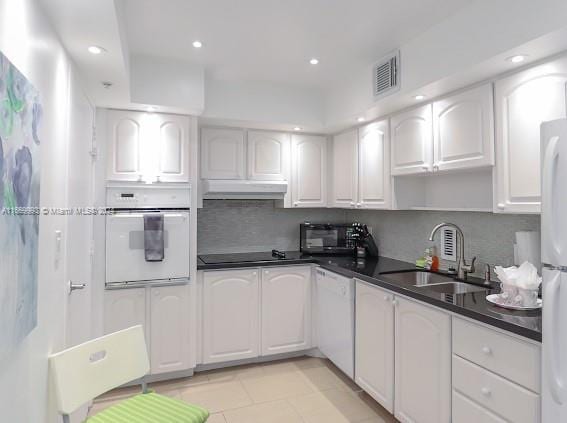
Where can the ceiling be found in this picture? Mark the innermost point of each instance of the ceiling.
(273, 40)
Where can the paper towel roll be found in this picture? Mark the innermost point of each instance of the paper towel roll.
(528, 245)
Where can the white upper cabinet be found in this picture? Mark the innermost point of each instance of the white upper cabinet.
(523, 101)
(374, 166)
(268, 155)
(222, 153)
(309, 171)
(124, 138)
(463, 135)
(345, 169)
(374, 361)
(412, 141)
(148, 147)
(286, 309)
(172, 148)
(422, 363)
(231, 315)
(169, 327)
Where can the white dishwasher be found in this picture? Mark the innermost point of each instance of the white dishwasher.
(335, 319)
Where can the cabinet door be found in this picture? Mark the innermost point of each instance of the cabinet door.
(124, 145)
(286, 309)
(345, 169)
(463, 135)
(124, 308)
(230, 315)
(169, 327)
(222, 153)
(268, 155)
(309, 171)
(412, 141)
(374, 350)
(172, 138)
(422, 363)
(523, 101)
(374, 166)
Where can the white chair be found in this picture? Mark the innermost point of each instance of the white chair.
(84, 372)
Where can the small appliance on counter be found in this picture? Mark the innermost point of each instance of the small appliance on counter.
(337, 239)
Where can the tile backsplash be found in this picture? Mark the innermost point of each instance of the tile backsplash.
(256, 225)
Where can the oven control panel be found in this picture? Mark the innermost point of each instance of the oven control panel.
(161, 196)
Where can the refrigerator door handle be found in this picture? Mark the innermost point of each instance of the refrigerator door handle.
(553, 338)
(549, 204)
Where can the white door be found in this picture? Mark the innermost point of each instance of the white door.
(286, 309)
(222, 153)
(79, 228)
(124, 145)
(422, 363)
(554, 347)
(309, 171)
(374, 166)
(412, 141)
(268, 155)
(169, 328)
(523, 101)
(344, 170)
(172, 139)
(231, 315)
(374, 350)
(124, 308)
(463, 130)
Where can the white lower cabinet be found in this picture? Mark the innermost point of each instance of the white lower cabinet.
(230, 315)
(170, 338)
(124, 308)
(422, 363)
(164, 313)
(374, 349)
(467, 411)
(286, 309)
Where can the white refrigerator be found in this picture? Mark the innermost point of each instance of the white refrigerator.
(554, 259)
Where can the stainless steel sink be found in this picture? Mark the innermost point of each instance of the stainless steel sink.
(434, 282)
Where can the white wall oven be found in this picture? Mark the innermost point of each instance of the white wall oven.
(147, 236)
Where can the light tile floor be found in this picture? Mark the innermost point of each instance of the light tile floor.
(302, 390)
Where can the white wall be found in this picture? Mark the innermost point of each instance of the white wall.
(27, 39)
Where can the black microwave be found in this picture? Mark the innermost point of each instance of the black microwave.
(327, 238)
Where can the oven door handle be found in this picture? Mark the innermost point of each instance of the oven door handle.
(141, 215)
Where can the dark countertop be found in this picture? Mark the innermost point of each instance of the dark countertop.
(375, 271)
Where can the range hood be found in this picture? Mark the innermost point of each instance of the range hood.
(221, 189)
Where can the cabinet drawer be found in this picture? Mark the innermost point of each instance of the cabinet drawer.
(466, 410)
(508, 400)
(505, 355)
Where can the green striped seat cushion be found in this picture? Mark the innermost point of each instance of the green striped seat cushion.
(151, 408)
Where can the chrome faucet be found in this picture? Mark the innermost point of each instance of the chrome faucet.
(462, 267)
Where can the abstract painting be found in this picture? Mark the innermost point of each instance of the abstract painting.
(20, 117)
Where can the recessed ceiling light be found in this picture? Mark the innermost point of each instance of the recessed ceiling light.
(360, 119)
(419, 97)
(297, 128)
(314, 61)
(197, 44)
(519, 58)
(96, 50)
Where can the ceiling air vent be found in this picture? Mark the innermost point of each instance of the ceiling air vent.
(449, 244)
(385, 75)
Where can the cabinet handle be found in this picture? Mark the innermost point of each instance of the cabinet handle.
(254, 273)
(486, 350)
(426, 168)
(500, 206)
(295, 204)
(436, 168)
(386, 297)
(394, 302)
(266, 272)
(486, 392)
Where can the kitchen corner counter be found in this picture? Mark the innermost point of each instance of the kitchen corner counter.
(375, 271)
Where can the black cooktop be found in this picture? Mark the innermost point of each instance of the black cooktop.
(246, 257)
